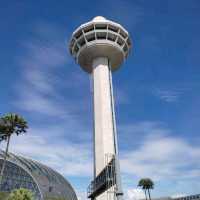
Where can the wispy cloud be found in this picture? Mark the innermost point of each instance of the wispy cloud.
(121, 97)
(138, 131)
(82, 195)
(152, 150)
(38, 81)
(45, 76)
(135, 194)
(168, 96)
(158, 155)
(58, 128)
(161, 156)
(59, 155)
(34, 102)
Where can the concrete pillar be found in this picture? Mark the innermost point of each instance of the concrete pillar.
(103, 122)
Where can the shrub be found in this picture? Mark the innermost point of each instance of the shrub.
(21, 194)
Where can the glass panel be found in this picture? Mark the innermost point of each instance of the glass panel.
(15, 177)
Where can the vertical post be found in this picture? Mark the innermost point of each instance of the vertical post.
(93, 122)
(103, 122)
(119, 192)
(4, 160)
(105, 132)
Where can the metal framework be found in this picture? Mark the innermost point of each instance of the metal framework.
(44, 182)
(105, 180)
(191, 197)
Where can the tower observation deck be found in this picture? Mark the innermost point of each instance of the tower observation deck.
(100, 47)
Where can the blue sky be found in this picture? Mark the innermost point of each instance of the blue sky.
(157, 90)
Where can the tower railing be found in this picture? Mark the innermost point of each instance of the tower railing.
(105, 180)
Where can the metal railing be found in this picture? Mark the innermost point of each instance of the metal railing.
(105, 180)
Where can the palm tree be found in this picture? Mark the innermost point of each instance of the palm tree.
(147, 184)
(10, 124)
(142, 184)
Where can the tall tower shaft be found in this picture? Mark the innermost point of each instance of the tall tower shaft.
(103, 117)
(100, 47)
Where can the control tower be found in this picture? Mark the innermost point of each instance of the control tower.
(100, 47)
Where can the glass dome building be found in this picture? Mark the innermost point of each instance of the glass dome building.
(43, 181)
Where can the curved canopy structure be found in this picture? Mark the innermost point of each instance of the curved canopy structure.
(43, 181)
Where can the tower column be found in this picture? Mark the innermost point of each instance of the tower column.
(100, 47)
(103, 120)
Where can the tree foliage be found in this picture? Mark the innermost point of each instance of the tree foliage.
(21, 194)
(147, 184)
(10, 124)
